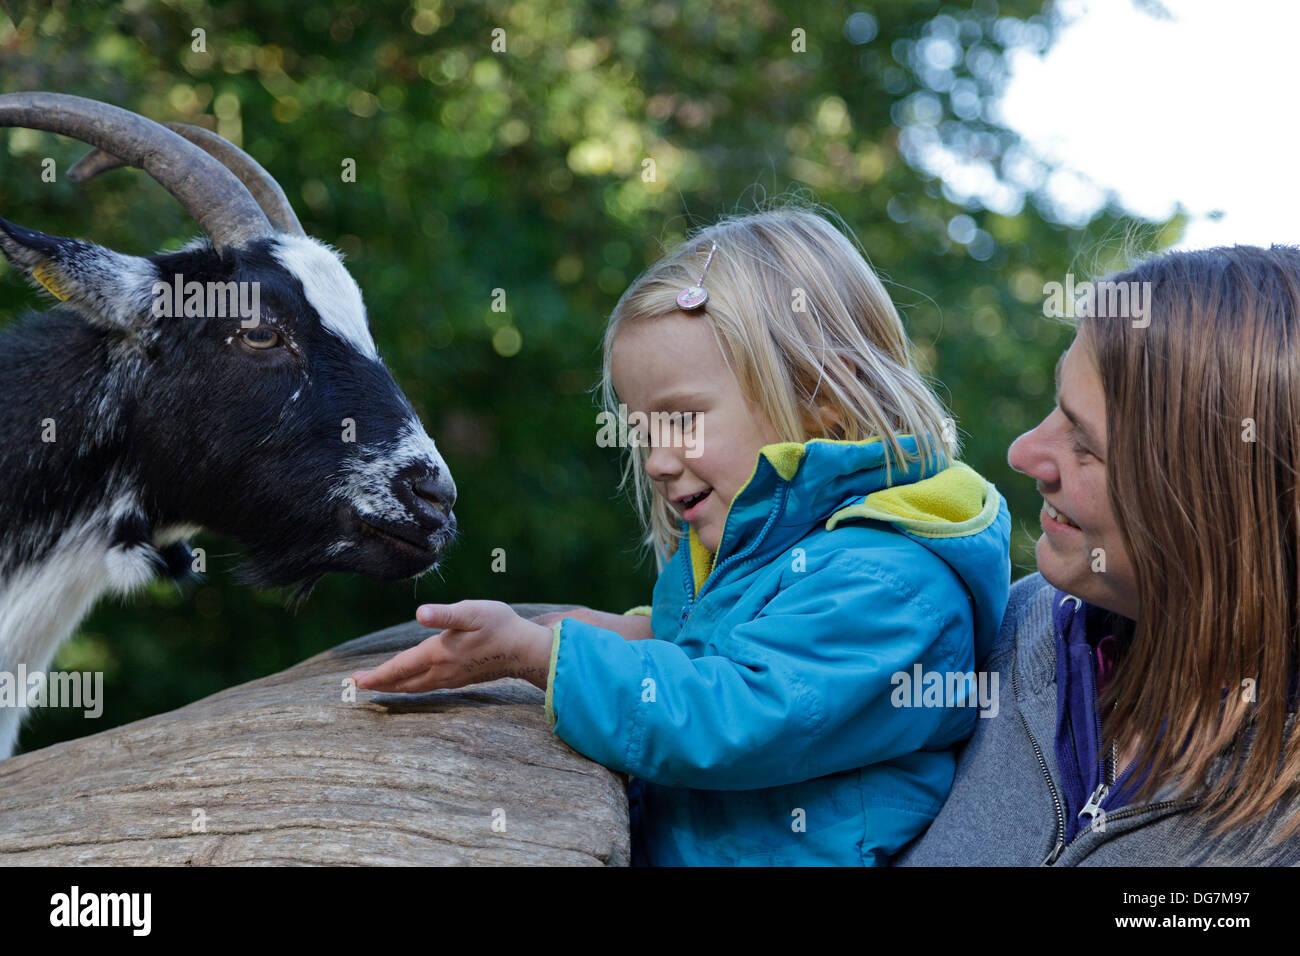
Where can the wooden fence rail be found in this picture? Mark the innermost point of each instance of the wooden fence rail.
(284, 770)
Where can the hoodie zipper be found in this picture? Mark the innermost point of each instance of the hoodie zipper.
(1130, 812)
(1145, 808)
(1098, 795)
(1092, 806)
(1042, 764)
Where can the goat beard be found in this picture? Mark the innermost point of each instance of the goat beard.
(296, 588)
(296, 594)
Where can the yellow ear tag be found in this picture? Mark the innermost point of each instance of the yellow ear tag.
(46, 276)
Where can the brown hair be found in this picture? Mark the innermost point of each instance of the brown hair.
(1203, 459)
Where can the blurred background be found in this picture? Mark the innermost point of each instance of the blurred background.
(525, 170)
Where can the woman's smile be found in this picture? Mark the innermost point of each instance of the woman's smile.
(1055, 521)
(1081, 551)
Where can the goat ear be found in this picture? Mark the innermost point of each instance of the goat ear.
(109, 288)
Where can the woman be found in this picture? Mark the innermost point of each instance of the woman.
(1148, 670)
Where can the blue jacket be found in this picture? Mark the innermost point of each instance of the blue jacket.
(771, 720)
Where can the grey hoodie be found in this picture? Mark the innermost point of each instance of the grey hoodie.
(1005, 805)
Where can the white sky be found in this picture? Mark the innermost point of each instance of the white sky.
(1202, 109)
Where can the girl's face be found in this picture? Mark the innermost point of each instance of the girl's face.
(704, 435)
(1081, 550)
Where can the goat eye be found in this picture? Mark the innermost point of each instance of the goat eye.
(261, 338)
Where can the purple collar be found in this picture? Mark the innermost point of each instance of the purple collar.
(1085, 659)
(1083, 646)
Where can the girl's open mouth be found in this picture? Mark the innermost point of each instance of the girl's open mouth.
(691, 504)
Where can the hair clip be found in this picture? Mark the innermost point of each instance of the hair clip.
(694, 296)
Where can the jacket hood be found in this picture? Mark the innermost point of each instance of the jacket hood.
(949, 509)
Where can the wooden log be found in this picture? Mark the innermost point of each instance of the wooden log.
(283, 770)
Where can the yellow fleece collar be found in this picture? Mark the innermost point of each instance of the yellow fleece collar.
(956, 502)
(701, 559)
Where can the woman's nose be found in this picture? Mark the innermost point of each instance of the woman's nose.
(1030, 454)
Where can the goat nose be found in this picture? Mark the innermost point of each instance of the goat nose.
(436, 488)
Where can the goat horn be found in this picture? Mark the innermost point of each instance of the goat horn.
(206, 189)
(250, 172)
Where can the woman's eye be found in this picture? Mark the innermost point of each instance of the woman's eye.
(262, 338)
(1080, 450)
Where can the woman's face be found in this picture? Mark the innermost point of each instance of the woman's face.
(1080, 551)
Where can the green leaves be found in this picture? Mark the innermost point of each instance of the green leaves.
(524, 169)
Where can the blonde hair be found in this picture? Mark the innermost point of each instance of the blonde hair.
(1203, 475)
(801, 320)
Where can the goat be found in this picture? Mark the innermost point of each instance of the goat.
(127, 430)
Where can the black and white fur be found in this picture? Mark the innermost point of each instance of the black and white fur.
(164, 426)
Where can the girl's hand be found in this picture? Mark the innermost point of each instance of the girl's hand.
(482, 641)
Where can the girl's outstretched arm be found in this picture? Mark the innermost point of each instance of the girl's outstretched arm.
(481, 641)
(807, 688)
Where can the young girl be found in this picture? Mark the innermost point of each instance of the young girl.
(829, 577)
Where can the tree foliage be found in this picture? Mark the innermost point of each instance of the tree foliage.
(525, 170)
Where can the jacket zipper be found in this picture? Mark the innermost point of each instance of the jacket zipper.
(688, 582)
(688, 572)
